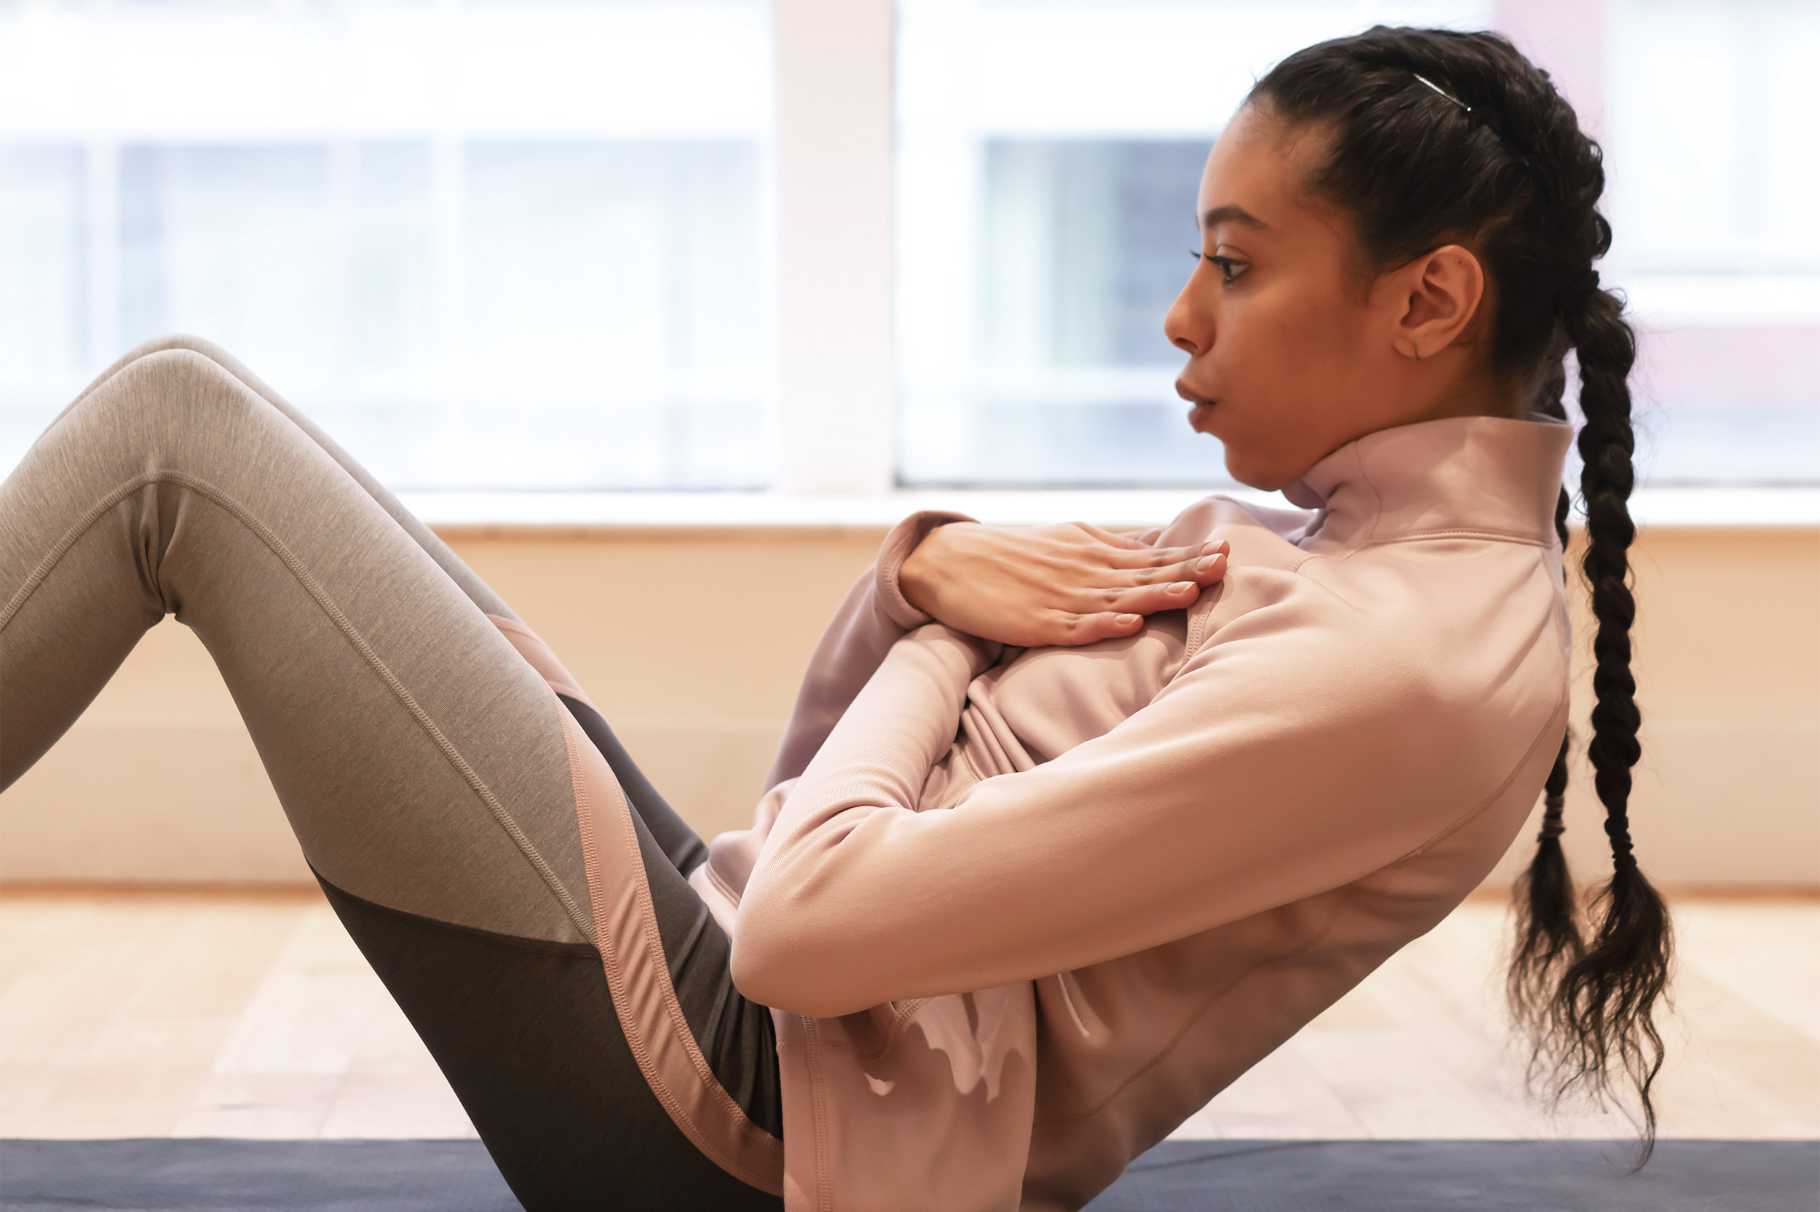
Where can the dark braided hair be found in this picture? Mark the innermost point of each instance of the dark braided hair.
(1435, 134)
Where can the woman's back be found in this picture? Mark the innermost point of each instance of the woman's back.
(1149, 860)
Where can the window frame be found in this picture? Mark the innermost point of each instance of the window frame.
(827, 193)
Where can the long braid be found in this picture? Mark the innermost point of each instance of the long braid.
(1606, 995)
(1483, 144)
(1547, 930)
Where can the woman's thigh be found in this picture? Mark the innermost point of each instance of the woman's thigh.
(684, 846)
(425, 766)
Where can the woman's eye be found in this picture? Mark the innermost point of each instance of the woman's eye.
(1225, 264)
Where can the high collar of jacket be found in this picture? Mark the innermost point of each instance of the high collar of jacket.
(1476, 473)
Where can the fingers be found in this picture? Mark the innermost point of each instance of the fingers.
(1173, 586)
(1118, 538)
(1152, 557)
(1123, 611)
(1118, 623)
(1211, 566)
(1165, 578)
(1167, 558)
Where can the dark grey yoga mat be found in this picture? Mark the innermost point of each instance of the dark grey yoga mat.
(1176, 1176)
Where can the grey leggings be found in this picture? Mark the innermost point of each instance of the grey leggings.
(492, 850)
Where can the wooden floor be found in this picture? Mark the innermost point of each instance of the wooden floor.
(160, 1014)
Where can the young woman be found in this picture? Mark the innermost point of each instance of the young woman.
(1051, 851)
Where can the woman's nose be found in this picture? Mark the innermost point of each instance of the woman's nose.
(1182, 327)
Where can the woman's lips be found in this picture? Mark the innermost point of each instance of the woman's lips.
(1198, 411)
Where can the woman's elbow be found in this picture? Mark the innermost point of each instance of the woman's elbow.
(784, 974)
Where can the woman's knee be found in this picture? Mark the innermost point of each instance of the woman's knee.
(182, 408)
(171, 340)
(152, 345)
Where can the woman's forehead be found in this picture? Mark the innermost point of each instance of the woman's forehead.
(1245, 184)
(1250, 171)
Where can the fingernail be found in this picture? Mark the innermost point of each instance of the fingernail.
(1210, 563)
(1181, 587)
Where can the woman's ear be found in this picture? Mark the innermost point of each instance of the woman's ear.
(1440, 293)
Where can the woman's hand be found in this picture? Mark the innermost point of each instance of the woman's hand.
(1046, 586)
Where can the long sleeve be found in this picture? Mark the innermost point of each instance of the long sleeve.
(871, 618)
(1285, 757)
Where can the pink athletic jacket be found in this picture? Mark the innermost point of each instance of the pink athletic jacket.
(1019, 913)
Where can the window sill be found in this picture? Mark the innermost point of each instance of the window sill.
(484, 514)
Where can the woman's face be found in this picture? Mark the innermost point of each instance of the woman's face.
(1299, 356)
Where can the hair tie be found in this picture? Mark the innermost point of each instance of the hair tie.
(1552, 824)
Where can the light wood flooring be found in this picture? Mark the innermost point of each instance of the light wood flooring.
(208, 1014)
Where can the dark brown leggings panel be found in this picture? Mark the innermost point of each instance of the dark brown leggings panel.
(525, 1032)
(736, 1035)
(679, 842)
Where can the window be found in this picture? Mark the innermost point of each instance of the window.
(844, 256)
(487, 246)
(1707, 104)
(1049, 154)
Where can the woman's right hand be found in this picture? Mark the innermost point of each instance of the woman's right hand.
(1053, 585)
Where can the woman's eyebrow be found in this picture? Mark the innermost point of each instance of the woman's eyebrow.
(1232, 212)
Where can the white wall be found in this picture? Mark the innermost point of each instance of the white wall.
(158, 780)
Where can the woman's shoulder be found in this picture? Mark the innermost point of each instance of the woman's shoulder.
(1214, 515)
